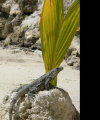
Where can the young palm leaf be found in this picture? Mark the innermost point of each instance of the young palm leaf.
(57, 32)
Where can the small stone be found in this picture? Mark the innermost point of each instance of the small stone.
(73, 59)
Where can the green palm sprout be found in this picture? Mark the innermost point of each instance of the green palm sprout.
(57, 32)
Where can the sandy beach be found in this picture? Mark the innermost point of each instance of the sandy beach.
(18, 67)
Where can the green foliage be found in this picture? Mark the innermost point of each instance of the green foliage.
(57, 32)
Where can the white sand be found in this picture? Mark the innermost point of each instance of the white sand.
(20, 68)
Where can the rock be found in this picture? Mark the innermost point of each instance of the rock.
(18, 20)
(2, 1)
(30, 27)
(6, 6)
(76, 66)
(36, 46)
(72, 56)
(70, 49)
(54, 104)
(40, 6)
(17, 29)
(2, 24)
(3, 15)
(24, 19)
(73, 59)
(67, 4)
(27, 6)
(76, 44)
(26, 44)
(38, 52)
(8, 40)
(28, 24)
(8, 27)
(32, 35)
(10, 7)
(15, 8)
(13, 38)
(74, 53)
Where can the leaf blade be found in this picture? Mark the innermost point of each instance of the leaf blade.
(66, 34)
(50, 24)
